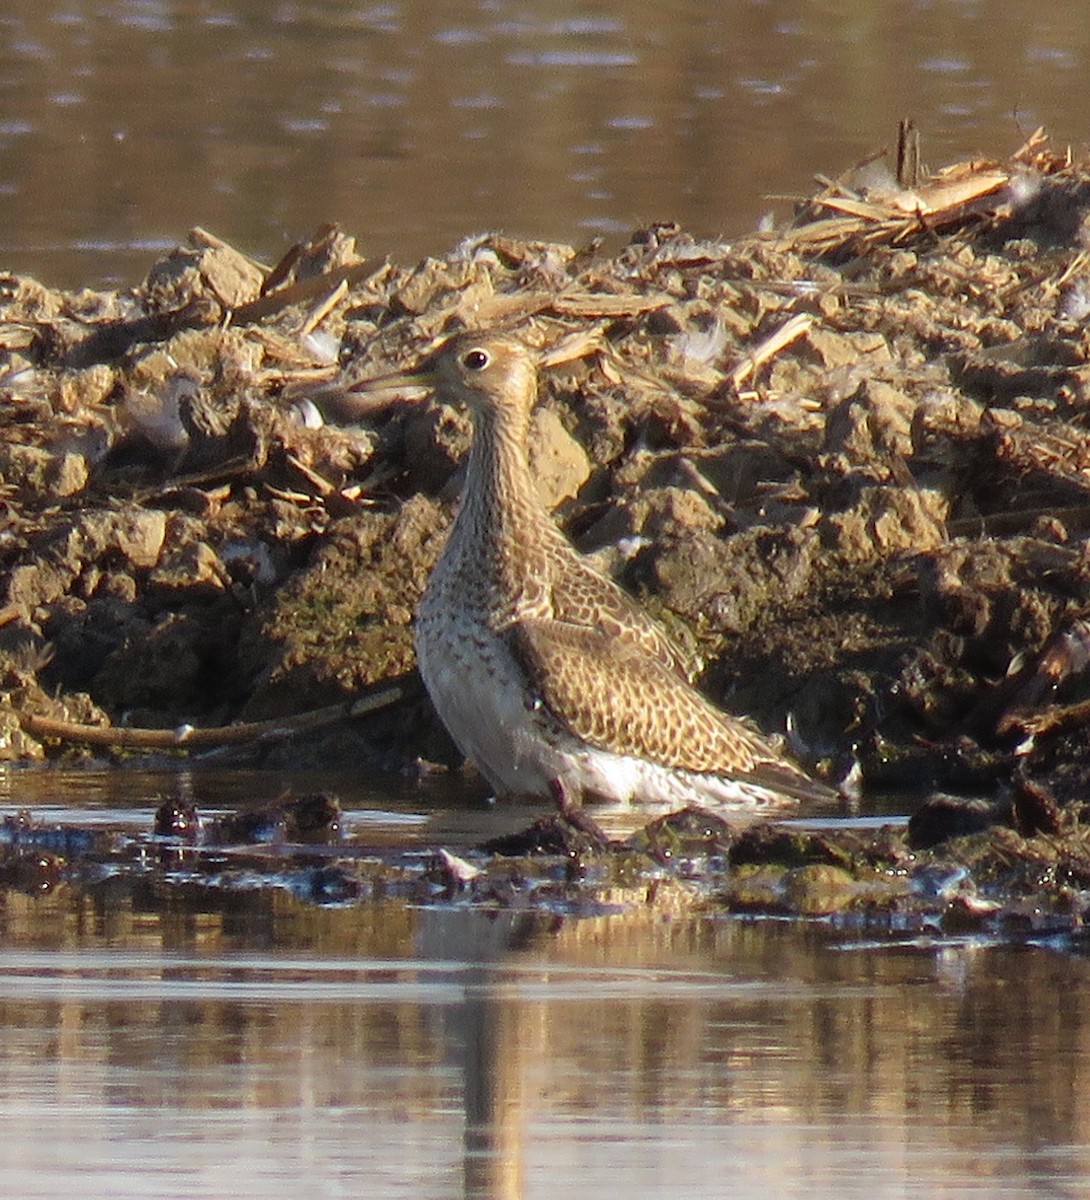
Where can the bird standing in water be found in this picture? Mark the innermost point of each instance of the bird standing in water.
(547, 675)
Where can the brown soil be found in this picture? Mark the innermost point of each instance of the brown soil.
(845, 460)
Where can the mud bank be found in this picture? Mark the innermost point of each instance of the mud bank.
(845, 461)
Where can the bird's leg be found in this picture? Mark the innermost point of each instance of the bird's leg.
(572, 810)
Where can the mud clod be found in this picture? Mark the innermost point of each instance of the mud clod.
(845, 460)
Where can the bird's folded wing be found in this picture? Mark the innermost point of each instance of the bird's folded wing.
(584, 598)
(611, 695)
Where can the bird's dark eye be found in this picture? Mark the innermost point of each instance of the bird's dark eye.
(475, 360)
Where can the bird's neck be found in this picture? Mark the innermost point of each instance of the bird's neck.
(502, 517)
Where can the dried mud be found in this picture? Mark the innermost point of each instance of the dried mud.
(845, 461)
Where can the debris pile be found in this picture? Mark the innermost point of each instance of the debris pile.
(845, 461)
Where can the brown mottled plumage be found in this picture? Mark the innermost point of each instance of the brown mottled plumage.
(548, 676)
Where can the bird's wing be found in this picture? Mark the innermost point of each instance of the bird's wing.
(582, 597)
(611, 695)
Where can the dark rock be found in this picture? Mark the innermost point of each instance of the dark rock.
(942, 817)
(178, 819)
(691, 839)
(551, 835)
(312, 819)
(765, 843)
(1034, 808)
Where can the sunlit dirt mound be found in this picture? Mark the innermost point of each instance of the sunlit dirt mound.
(844, 460)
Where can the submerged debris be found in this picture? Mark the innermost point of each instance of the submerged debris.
(880, 881)
(304, 819)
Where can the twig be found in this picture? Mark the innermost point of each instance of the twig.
(320, 484)
(185, 737)
(247, 314)
(908, 154)
(1048, 719)
(322, 310)
(787, 333)
(1002, 524)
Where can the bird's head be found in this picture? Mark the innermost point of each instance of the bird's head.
(488, 373)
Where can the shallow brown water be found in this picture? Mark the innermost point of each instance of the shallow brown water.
(268, 1047)
(124, 122)
(444, 1053)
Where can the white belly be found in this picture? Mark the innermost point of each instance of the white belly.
(481, 697)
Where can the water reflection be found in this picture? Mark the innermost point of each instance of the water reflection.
(277, 1050)
(122, 124)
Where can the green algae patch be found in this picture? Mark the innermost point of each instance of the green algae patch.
(344, 621)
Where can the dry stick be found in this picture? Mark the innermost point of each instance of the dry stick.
(787, 333)
(939, 202)
(1043, 279)
(595, 304)
(1051, 718)
(908, 154)
(322, 310)
(295, 293)
(185, 737)
(109, 340)
(1016, 521)
(320, 484)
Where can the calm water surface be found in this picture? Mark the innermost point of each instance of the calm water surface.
(279, 1049)
(269, 1048)
(125, 122)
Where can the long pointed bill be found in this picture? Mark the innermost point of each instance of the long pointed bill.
(397, 381)
(367, 398)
